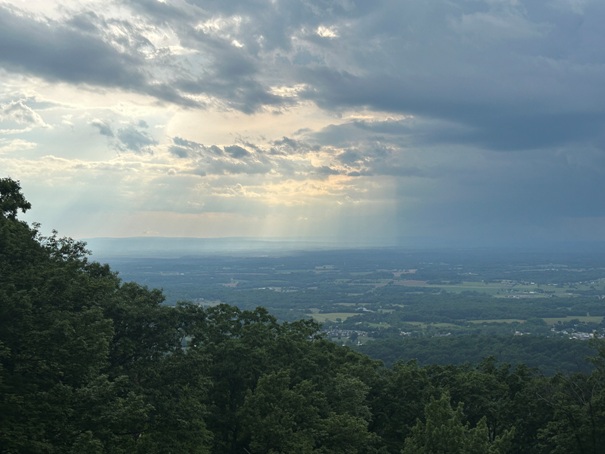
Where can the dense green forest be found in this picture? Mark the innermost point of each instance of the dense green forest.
(92, 364)
(547, 354)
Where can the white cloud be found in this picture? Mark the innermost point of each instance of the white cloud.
(327, 32)
(16, 145)
(17, 116)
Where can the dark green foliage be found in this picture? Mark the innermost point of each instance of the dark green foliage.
(11, 198)
(398, 401)
(577, 402)
(281, 417)
(89, 364)
(443, 431)
(551, 355)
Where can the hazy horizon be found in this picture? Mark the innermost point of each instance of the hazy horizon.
(175, 247)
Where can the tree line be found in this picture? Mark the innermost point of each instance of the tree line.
(89, 363)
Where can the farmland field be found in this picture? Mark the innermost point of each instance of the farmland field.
(388, 292)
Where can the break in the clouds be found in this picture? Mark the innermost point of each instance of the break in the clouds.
(476, 121)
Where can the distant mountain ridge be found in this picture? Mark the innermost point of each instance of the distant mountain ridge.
(183, 246)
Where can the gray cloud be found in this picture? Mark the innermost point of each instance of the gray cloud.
(518, 197)
(103, 127)
(56, 51)
(135, 139)
(78, 52)
(487, 69)
(491, 66)
(214, 160)
(528, 67)
(474, 114)
(237, 152)
(256, 159)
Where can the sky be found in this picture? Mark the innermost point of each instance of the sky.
(383, 122)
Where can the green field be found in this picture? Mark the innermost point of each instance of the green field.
(425, 325)
(512, 288)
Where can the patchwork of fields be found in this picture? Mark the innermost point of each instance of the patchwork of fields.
(394, 292)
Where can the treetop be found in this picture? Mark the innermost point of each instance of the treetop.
(11, 198)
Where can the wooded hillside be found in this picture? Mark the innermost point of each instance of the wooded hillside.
(91, 364)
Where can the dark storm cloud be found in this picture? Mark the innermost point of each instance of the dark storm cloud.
(536, 131)
(75, 52)
(58, 52)
(526, 67)
(493, 131)
(487, 123)
(231, 75)
(265, 32)
(272, 25)
(523, 200)
(227, 71)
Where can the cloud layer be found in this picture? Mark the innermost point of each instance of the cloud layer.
(475, 121)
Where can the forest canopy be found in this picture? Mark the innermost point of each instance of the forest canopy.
(89, 363)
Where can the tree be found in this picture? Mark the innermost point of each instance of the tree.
(11, 198)
(578, 404)
(280, 417)
(54, 334)
(398, 400)
(88, 363)
(444, 431)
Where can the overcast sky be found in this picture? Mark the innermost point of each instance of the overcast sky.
(468, 122)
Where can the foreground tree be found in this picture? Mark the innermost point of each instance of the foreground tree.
(85, 360)
(578, 420)
(52, 327)
(444, 431)
(11, 199)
